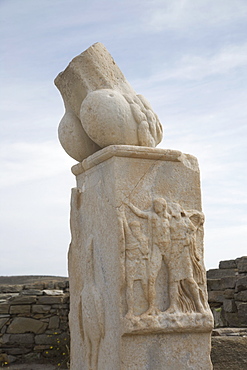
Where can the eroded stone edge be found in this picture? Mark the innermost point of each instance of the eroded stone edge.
(131, 151)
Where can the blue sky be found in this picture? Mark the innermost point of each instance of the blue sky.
(188, 58)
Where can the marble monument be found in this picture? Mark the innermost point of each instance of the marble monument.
(137, 278)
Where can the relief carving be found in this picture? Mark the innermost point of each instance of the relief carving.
(173, 238)
(158, 225)
(185, 272)
(136, 259)
(92, 311)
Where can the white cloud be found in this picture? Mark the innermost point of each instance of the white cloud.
(186, 14)
(25, 161)
(197, 67)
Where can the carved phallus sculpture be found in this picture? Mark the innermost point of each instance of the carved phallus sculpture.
(101, 108)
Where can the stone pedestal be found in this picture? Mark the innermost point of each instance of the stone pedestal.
(137, 279)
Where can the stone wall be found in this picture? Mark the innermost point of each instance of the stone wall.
(227, 293)
(34, 312)
(34, 321)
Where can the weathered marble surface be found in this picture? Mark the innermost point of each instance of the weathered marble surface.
(101, 107)
(137, 279)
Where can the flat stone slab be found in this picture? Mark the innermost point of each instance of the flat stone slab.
(229, 353)
(34, 367)
(219, 273)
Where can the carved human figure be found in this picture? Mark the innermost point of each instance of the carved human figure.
(159, 227)
(197, 218)
(184, 292)
(92, 310)
(137, 254)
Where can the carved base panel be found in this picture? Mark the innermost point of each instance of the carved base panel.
(166, 351)
(137, 278)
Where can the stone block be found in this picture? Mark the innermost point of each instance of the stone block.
(32, 357)
(39, 316)
(64, 325)
(54, 322)
(35, 286)
(41, 347)
(53, 332)
(21, 325)
(20, 309)
(49, 285)
(229, 305)
(4, 358)
(4, 339)
(222, 284)
(32, 292)
(61, 306)
(228, 282)
(23, 300)
(46, 319)
(3, 322)
(49, 300)
(62, 284)
(242, 313)
(229, 353)
(214, 284)
(232, 318)
(11, 288)
(216, 296)
(238, 303)
(6, 296)
(51, 338)
(41, 308)
(53, 292)
(242, 264)
(219, 273)
(21, 339)
(20, 350)
(3, 329)
(4, 308)
(230, 264)
(229, 293)
(241, 296)
(229, 331)
(98, 197)
(241, 284)
(168, 352)
(44, 339)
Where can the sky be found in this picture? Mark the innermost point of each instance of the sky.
(188, 58)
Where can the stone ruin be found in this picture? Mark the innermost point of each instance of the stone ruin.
(34, 318)
(138, 295)
(227, 293)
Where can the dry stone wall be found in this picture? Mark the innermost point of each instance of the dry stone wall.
(34, 312)
(227, 293)
(34, 322)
